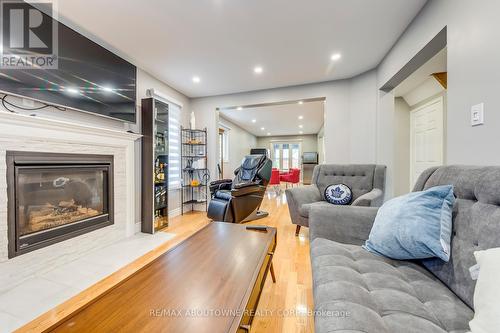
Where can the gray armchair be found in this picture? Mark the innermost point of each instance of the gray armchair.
(367, 183)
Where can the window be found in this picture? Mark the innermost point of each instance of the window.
(295, 154)
(174, 146)
(285, 155)
(277, 156)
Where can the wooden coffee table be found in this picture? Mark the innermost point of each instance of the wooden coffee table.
(211, 282)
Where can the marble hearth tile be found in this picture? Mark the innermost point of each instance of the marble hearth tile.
(31, 298)
(8, 323)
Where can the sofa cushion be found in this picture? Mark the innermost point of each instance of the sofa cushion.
(416, 225)
(306, 208)
(356, 291)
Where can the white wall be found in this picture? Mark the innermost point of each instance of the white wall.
(240, 143)
(341, 131)
(401, 147)
(473, 67)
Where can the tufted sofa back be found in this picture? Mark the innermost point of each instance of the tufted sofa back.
(476, 221)
(361, 178)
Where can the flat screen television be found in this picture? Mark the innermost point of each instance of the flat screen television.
(88, 77)
(310, 158)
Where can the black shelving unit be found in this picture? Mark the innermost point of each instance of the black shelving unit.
(154, 165)
(195, 174)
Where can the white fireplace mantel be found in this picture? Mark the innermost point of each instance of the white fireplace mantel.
(27, 129)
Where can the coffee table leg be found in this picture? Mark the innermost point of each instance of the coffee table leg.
(272, 273)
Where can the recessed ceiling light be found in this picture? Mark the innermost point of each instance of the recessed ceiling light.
(239, 108)
(72, 90)
(301, 102)
(301, 126)
(336, 56)
(257, 70)
(196, 79)
(268, 133)
(107, 89)
(301, 117)
(254, 120)
(300, 132)
(262, 128)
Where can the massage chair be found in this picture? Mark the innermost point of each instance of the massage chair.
(239, 200)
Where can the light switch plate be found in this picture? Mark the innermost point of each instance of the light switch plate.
(477, 114)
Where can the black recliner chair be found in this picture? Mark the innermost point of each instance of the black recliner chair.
(239, 200)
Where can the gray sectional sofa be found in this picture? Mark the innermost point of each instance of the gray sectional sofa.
(367, 183)
(356, 291)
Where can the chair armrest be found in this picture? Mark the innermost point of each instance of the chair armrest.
(369, 199)
(344, 224)
(303, 195)
(247, 184)
(245, 190)
(223, 184)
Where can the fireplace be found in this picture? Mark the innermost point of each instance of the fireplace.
(53, 197)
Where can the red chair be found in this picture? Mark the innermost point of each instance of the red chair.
(275, 180)
(292, 177)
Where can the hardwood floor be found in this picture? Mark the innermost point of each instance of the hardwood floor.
(283, 306)
(289, 300)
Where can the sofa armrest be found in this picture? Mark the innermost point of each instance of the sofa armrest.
(303, 195)
(344, 224)
(368, 199)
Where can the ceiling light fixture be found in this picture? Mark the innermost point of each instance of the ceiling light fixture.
(72, 90)
(268, 133)
(300, 132)
(336, 56)
(301, 126)
(107, 89)
(254, 121)
(239, 108)
(301, 117)
(257, 70)
(262, 128)
(301, 102)
(196, 79)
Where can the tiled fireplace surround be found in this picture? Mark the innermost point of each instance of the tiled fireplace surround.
(25, 133)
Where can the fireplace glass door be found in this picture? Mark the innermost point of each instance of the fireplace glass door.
(52, 197)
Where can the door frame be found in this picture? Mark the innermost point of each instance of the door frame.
(440, 100)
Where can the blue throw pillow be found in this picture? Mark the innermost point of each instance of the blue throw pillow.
(338, 194)
(414, 226)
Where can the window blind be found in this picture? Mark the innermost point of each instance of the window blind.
(174, 146)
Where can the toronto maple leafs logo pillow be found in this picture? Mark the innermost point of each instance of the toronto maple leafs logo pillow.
(338, 194)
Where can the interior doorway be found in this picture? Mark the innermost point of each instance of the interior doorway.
(419, 122)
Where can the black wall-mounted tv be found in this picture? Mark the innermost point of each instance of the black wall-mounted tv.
(88, 77)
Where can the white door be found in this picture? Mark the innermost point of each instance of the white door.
(426, 141)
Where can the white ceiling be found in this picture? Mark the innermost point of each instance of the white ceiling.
(222, 40)
(278, 119)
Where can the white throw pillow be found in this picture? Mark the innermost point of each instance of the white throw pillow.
(487, 293)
